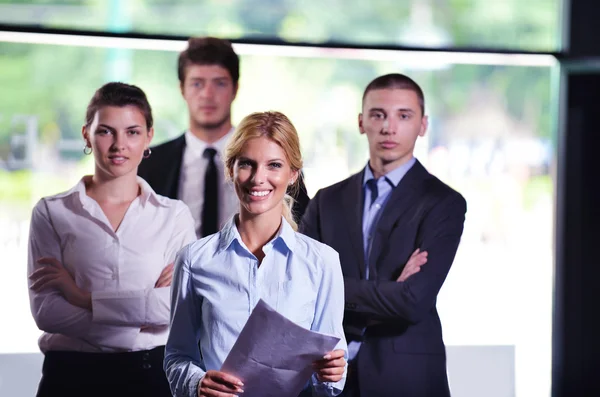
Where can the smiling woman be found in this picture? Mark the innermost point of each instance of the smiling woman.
(257, 255)
(100, 261)
(263, 159)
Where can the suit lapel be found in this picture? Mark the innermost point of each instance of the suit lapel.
(353, 210)
(401, 200)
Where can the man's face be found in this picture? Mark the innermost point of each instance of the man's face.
(392, 120)
(209, 92)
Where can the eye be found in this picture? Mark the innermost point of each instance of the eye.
(377, 116)
(275, 164)
(243, 163)
(103, 131)
(405, 116)
(133, 132)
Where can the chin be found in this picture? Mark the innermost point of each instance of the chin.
(118, 172)
(256, 210)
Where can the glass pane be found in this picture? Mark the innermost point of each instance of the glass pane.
(490, 138)
(512, 24)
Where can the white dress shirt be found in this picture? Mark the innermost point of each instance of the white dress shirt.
(119, 268)
(191, 179)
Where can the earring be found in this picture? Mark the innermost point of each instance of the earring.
(291, 182)
(87, 150)
(147, 153)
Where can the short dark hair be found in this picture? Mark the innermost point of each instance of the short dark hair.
(209, 51)
(399, 81)
(119, 95)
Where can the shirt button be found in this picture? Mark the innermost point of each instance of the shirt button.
(378, 206)
(146, 366)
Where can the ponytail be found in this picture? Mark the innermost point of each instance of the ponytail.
(288, 203)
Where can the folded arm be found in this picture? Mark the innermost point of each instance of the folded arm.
(150, 306)
(439, 236)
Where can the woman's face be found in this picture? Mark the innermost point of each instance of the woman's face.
(118, 137)
(261, 175)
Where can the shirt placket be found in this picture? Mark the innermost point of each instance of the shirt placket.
(253, 285)
(117, 263)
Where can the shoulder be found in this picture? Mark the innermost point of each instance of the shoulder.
(175, 205)
(317, 254)
(441, 192)
(340, 188)
(59, 199)
(202, 250)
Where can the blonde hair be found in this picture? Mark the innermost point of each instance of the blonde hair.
(278, 128)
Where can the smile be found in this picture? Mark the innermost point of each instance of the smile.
(259, 193)
(117, 159)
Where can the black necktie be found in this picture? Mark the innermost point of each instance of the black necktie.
(210, 210)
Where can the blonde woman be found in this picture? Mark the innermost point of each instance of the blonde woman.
(257, 255)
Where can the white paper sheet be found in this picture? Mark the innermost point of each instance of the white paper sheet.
(273, 356)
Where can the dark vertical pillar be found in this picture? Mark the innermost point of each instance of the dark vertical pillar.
(576, 328)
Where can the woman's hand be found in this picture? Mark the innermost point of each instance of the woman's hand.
(166, 277)
(331, 367)
(219, 384)
(54, 275)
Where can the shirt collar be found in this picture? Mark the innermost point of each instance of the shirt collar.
(394, 176)
(229, 234)
(147, 194)
(197, 145)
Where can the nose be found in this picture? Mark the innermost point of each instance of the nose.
(260, 175)
(207, 91)
(390, 126)
(118, 141)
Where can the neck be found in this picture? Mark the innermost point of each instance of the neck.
(113, 190)
(379, 167)
(258, 230)
(210, 134)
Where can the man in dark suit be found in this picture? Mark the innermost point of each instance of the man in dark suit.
(378, 220)
(190, 167)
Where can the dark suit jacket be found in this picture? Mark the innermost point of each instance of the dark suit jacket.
(402, 353)
(162, 169)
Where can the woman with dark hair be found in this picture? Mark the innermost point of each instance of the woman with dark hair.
(100, 262)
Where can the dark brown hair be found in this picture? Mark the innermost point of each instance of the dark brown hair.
(209, 51)
(399, 81)
(119, 95)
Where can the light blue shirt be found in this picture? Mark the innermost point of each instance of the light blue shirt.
(218, 281)
(373, 208)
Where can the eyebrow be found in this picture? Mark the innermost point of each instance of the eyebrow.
(398, 110)
(224, 78)
(268, 161)
(111, 128)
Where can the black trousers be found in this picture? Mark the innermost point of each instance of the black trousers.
(75, 374)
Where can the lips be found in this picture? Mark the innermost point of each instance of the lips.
(208, 108)
(388, 144)
(118, 160)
